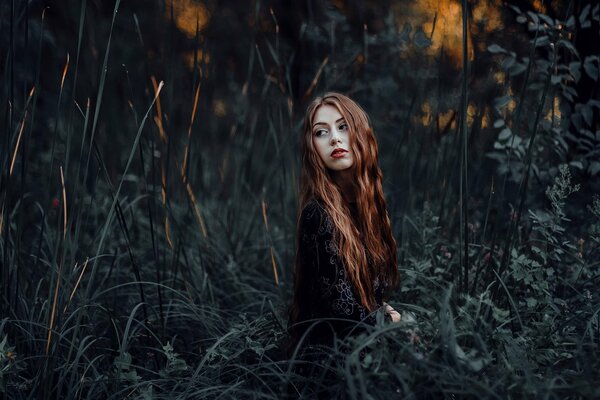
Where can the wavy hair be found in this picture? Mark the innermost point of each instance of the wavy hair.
(373, 256)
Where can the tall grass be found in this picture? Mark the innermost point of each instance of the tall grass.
(155, 261)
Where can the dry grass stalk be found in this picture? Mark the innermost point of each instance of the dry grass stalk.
(53, 313)
(164, 201)
(16, 150)
(78, 281)
(158, 117)
(274, 267)
(313, 84)
(187, 148)
(197, 213)
(264, 214)
(64, 194)
(64, 75)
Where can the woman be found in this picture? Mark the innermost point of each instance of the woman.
(345, 250)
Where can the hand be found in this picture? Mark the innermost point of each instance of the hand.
(396, 317)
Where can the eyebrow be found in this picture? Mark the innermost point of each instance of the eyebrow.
(325, 123)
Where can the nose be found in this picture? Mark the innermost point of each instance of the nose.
(335, 137)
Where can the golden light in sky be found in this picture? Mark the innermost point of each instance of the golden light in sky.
(441, 21)
(188, 15)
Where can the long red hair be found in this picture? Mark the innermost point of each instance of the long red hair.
(372, 221)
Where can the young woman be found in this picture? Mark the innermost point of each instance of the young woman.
(345, 250)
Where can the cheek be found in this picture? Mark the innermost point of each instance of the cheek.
(320, 147)
(348, 140)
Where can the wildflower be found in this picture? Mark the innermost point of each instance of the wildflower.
(588, 295)
(414, 337)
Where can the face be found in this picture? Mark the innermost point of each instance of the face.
(331, 138)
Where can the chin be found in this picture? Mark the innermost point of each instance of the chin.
(340, 167)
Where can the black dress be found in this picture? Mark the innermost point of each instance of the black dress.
(330, 307)
(327, 289)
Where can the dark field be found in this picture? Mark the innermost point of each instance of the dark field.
(149, 179)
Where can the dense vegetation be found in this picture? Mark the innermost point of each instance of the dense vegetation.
(149, 172)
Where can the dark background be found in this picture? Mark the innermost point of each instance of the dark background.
(185, 208)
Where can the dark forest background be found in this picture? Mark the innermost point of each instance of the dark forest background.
(149, 179)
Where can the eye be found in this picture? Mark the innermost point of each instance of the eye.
(343, 127)
(320, 132)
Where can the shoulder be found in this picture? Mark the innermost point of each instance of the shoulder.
(314, 217)
(312, 209)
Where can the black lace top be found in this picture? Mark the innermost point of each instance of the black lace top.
(327, 288)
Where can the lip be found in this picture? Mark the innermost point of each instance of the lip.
(339, 152)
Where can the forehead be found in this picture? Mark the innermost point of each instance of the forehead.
(326, 114)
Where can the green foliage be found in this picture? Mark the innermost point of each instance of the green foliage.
(123, 370)
(12, 366)
(175, 365)
(552, 65)
(549, 224)
(7, 362)
(594, 208)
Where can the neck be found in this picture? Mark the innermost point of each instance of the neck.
(344, 180)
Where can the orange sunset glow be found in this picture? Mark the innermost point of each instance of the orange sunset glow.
(189, 15)
(441, 21)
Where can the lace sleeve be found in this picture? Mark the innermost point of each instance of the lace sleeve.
(334, 291)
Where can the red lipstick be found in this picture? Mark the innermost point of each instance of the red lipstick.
(338, 153)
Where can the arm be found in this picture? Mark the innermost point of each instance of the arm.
(334, 293)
